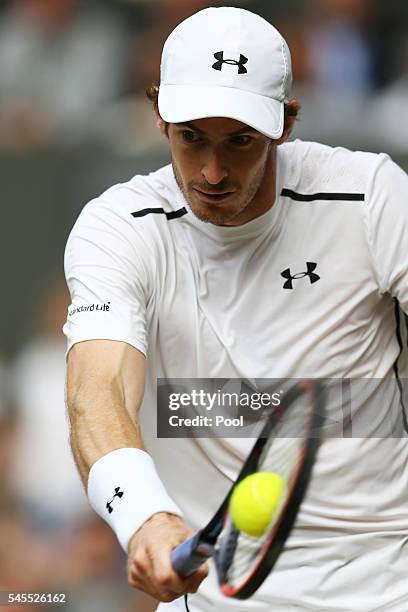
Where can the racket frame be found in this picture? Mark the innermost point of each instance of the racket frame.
(188, 556)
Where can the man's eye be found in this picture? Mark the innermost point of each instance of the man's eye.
(241, 140)
(189, 136)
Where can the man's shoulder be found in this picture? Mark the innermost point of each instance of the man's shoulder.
(312, 167)
(152, 197)
(141, 192)
(319, 153)
(136, 211)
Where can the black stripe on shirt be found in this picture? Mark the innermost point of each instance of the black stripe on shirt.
(397, 313)
(310, 197)
(174, 214)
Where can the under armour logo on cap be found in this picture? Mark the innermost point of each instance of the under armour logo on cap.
(219, 56)
(118, 493)
(311, 266)
(226, 62)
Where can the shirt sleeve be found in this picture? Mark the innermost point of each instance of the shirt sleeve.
(386, 210)
(105, 269)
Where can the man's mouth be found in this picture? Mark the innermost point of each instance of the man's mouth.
(213, 196)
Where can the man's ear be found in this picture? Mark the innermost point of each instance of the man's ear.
(291, 111)
(161, 124)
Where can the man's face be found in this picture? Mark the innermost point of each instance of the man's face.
(222, 166)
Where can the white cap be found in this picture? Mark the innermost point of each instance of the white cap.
(226, 62)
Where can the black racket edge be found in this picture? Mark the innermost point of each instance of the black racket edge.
(294, 501)
(207, 536)
(211, 531)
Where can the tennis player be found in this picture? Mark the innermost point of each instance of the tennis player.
(248, 256)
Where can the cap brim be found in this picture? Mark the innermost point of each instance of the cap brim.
(180, 103)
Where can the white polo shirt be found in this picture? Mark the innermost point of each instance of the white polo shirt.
(312, 288)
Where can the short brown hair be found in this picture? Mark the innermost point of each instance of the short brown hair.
(152, 93)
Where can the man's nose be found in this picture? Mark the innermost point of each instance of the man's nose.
(213, 170)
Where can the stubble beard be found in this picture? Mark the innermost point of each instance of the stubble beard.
(215, 214)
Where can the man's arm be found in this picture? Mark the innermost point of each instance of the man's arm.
(386, 219)
(105, 385)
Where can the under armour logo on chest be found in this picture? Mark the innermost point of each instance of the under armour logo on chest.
(311, 267)
(231, 62)
(118, 493)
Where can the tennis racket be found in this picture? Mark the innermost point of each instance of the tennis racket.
(287, 445)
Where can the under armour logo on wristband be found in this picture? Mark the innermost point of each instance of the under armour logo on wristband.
(231, 62)
(118, 493)
(311, 266)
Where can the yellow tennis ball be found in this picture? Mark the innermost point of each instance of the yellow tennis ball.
(254, 501)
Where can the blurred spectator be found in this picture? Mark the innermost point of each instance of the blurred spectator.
(388, 117)
(338, 72)
(388, 113)
(45, 479)
(390, 36)
(128, 126)
(60, 61)
(7, 427)
(50, 539)
(7, 440)
(340, 55)
(165, 15)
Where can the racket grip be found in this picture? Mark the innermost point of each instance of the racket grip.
(189, 555)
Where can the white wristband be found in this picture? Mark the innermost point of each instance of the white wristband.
(125, 490)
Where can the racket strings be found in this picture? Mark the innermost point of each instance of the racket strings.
(281, 455)
(248, 548)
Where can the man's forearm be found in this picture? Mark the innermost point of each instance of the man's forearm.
(105, 387)
(100, 423)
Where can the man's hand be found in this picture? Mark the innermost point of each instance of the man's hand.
(149, 565)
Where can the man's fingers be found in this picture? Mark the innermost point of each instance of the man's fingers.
(160, 581)
(165, 573)
(193, 582)
(143, 576)
(173, 585)
(149, 566)
(139, 567)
